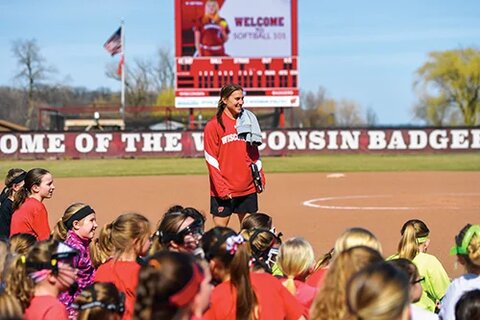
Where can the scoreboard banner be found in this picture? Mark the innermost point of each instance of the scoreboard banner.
(249, 42)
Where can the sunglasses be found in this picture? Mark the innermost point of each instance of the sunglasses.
(195, 228)
(418, 280)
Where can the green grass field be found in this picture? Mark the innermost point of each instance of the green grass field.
(310, 163)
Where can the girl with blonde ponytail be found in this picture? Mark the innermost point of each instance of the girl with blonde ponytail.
(413, 246)
(296, 260)
(77, 228)
(467, 250)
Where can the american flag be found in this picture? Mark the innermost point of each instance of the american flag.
(114, 43)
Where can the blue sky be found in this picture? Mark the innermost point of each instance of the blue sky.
(365, 51)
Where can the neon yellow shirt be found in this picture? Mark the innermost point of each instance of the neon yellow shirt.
(436, 280)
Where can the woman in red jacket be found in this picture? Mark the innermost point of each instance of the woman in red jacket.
(229, 160)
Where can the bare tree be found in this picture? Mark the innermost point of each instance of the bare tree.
(33, 70)
(347, 114)
(164, 72)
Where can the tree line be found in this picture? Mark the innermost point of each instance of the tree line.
(447, 86)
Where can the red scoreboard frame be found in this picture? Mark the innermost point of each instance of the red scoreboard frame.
(250, 42)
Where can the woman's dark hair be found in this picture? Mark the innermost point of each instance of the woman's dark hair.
(236, 261)
(257, 220)
(164, 275)
(468, 306)
(169, 225)
(99, 301)
(33, 178)
(225, 92)
(14, 176)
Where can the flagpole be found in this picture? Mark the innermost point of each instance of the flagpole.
(122, 107)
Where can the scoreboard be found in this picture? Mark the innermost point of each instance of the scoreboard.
(249, 42)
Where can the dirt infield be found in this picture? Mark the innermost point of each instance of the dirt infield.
(317, 206)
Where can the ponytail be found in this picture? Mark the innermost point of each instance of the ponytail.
(18, 283)
(102, 248)
(289, 283)
(19, 198)
(411, 231)
(221, 106)
(240, 279)
(225, 246)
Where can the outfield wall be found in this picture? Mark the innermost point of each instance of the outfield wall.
(44, 145)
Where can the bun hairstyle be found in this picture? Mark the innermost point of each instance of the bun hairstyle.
(378, 292)
(225, 92)
(228, 248)
(414, 232)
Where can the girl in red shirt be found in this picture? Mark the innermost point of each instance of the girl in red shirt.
(39, 277)
(123, 240)
(30, 214)
(242, 294)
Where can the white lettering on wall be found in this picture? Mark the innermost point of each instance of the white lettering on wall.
(317, 140)
(103, 142)
(130, 139)
(475, 143)
(152, 142)
(84, 143)
(376, 140)
(277, 140)
(396, 141)
(418, 139)
(8, 144)
(32, 143)
(350, 140)
(459, 139)
(198, 141)
(332, 139)
(297, 140)
(173, 142)
(56, 143)
(438, 139)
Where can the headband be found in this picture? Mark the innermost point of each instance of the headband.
(18, 179)
(422, 239)
(118, 308)
(77, 216)
(188, 292)
(474, 229)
